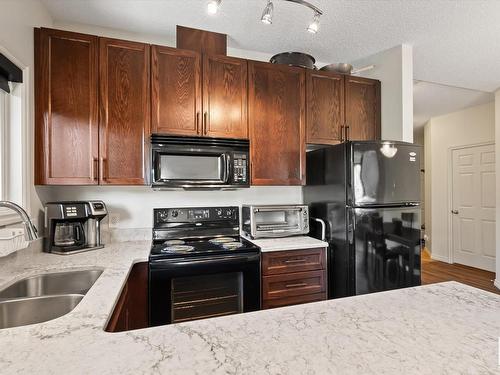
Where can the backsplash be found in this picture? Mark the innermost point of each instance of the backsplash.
(134, 205)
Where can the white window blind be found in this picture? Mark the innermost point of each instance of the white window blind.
(11, 151)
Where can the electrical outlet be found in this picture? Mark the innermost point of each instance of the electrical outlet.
(114, 219)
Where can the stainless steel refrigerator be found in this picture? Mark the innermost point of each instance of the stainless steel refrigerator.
(364, 197)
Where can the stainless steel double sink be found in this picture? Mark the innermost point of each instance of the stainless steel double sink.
(43, 297)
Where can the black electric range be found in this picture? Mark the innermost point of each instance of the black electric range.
(199, 266)
(196, 247)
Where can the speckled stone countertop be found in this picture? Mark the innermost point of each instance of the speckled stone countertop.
(287, 243)
(443, 328)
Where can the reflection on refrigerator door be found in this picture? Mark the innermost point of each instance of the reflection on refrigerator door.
(386, 243)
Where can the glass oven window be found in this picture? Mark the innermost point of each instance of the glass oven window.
(198, 297)
(187, 167)
(269, 220)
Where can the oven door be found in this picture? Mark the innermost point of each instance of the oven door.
(280, 221)
(191, 167)
(185, 289)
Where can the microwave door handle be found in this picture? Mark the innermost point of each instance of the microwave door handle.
(226, 167)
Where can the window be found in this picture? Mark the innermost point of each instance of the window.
(14, 148)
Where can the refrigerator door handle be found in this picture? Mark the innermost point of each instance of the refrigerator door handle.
(323, 227)
(351, 227)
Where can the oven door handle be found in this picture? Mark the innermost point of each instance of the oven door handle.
(164, 264)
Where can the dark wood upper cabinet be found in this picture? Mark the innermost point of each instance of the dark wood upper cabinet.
(362, 96)
(277, 124)
(124, 105)
(325, 107)
(225, 97)
(176, 91)
(66, 107)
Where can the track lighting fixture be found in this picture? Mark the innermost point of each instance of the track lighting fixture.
(213, 6)
(267, 14)
(314, 25)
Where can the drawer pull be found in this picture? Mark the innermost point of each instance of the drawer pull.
(297, 285)
(303, 260)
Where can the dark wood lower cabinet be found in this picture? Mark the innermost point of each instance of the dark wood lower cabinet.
(131, 310)
(293, 277)
(295, 300)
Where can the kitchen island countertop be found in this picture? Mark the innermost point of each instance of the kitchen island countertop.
(433, 329)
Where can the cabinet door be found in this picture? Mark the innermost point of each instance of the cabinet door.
(66, 123)
(362, 108)
(225, 97)
(277, 124)
(325, 107)
(124, 105)
(176, 91)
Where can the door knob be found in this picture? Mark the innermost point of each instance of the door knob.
(454, 212)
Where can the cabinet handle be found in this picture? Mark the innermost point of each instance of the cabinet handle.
(347, 133)
(342, 133)
(95, 167)
(198, 122)
(205, 117)
(104, 172)
(302, 260)
(296, 285)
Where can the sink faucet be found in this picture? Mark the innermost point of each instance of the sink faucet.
(30, 232)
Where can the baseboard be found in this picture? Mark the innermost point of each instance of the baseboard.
(441, 258)
(497, 283)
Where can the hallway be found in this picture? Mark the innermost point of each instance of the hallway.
(434, 271)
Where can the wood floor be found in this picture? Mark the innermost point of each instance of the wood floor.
(434, 271)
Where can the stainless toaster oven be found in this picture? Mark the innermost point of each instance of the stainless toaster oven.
(275, 221)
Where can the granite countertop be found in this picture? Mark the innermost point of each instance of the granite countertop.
(288, 243)
(434, 329)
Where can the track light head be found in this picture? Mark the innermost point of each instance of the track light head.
(267, 14)
(314, 25)
(213, 6)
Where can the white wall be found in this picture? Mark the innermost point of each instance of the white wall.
(17, 20)
(394, 68)
(497, 161)
(135, 204)
(418, 139)
(470, 126)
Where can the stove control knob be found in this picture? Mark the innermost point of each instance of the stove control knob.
(175, 213)
(229, 213)
(163, 215)
(218, 211)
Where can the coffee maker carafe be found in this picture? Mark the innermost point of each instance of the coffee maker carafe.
(72, 227)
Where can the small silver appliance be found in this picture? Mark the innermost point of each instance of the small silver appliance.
(73, 227)
(275, 221)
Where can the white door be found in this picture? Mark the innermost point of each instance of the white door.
(473, 209)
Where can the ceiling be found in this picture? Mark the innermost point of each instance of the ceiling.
(431, 100)
(455, 42)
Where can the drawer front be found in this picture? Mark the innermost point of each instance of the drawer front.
(295, 300)
(282, 262)
(294, 284)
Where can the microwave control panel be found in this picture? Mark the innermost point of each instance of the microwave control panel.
(240, 168)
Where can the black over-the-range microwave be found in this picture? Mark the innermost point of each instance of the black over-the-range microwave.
(191, 162)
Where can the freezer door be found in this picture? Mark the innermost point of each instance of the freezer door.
(384, 173)
(386, 247)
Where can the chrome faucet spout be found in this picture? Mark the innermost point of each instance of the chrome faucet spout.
(30, 232)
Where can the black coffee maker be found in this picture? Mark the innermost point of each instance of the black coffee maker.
(72, 227)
